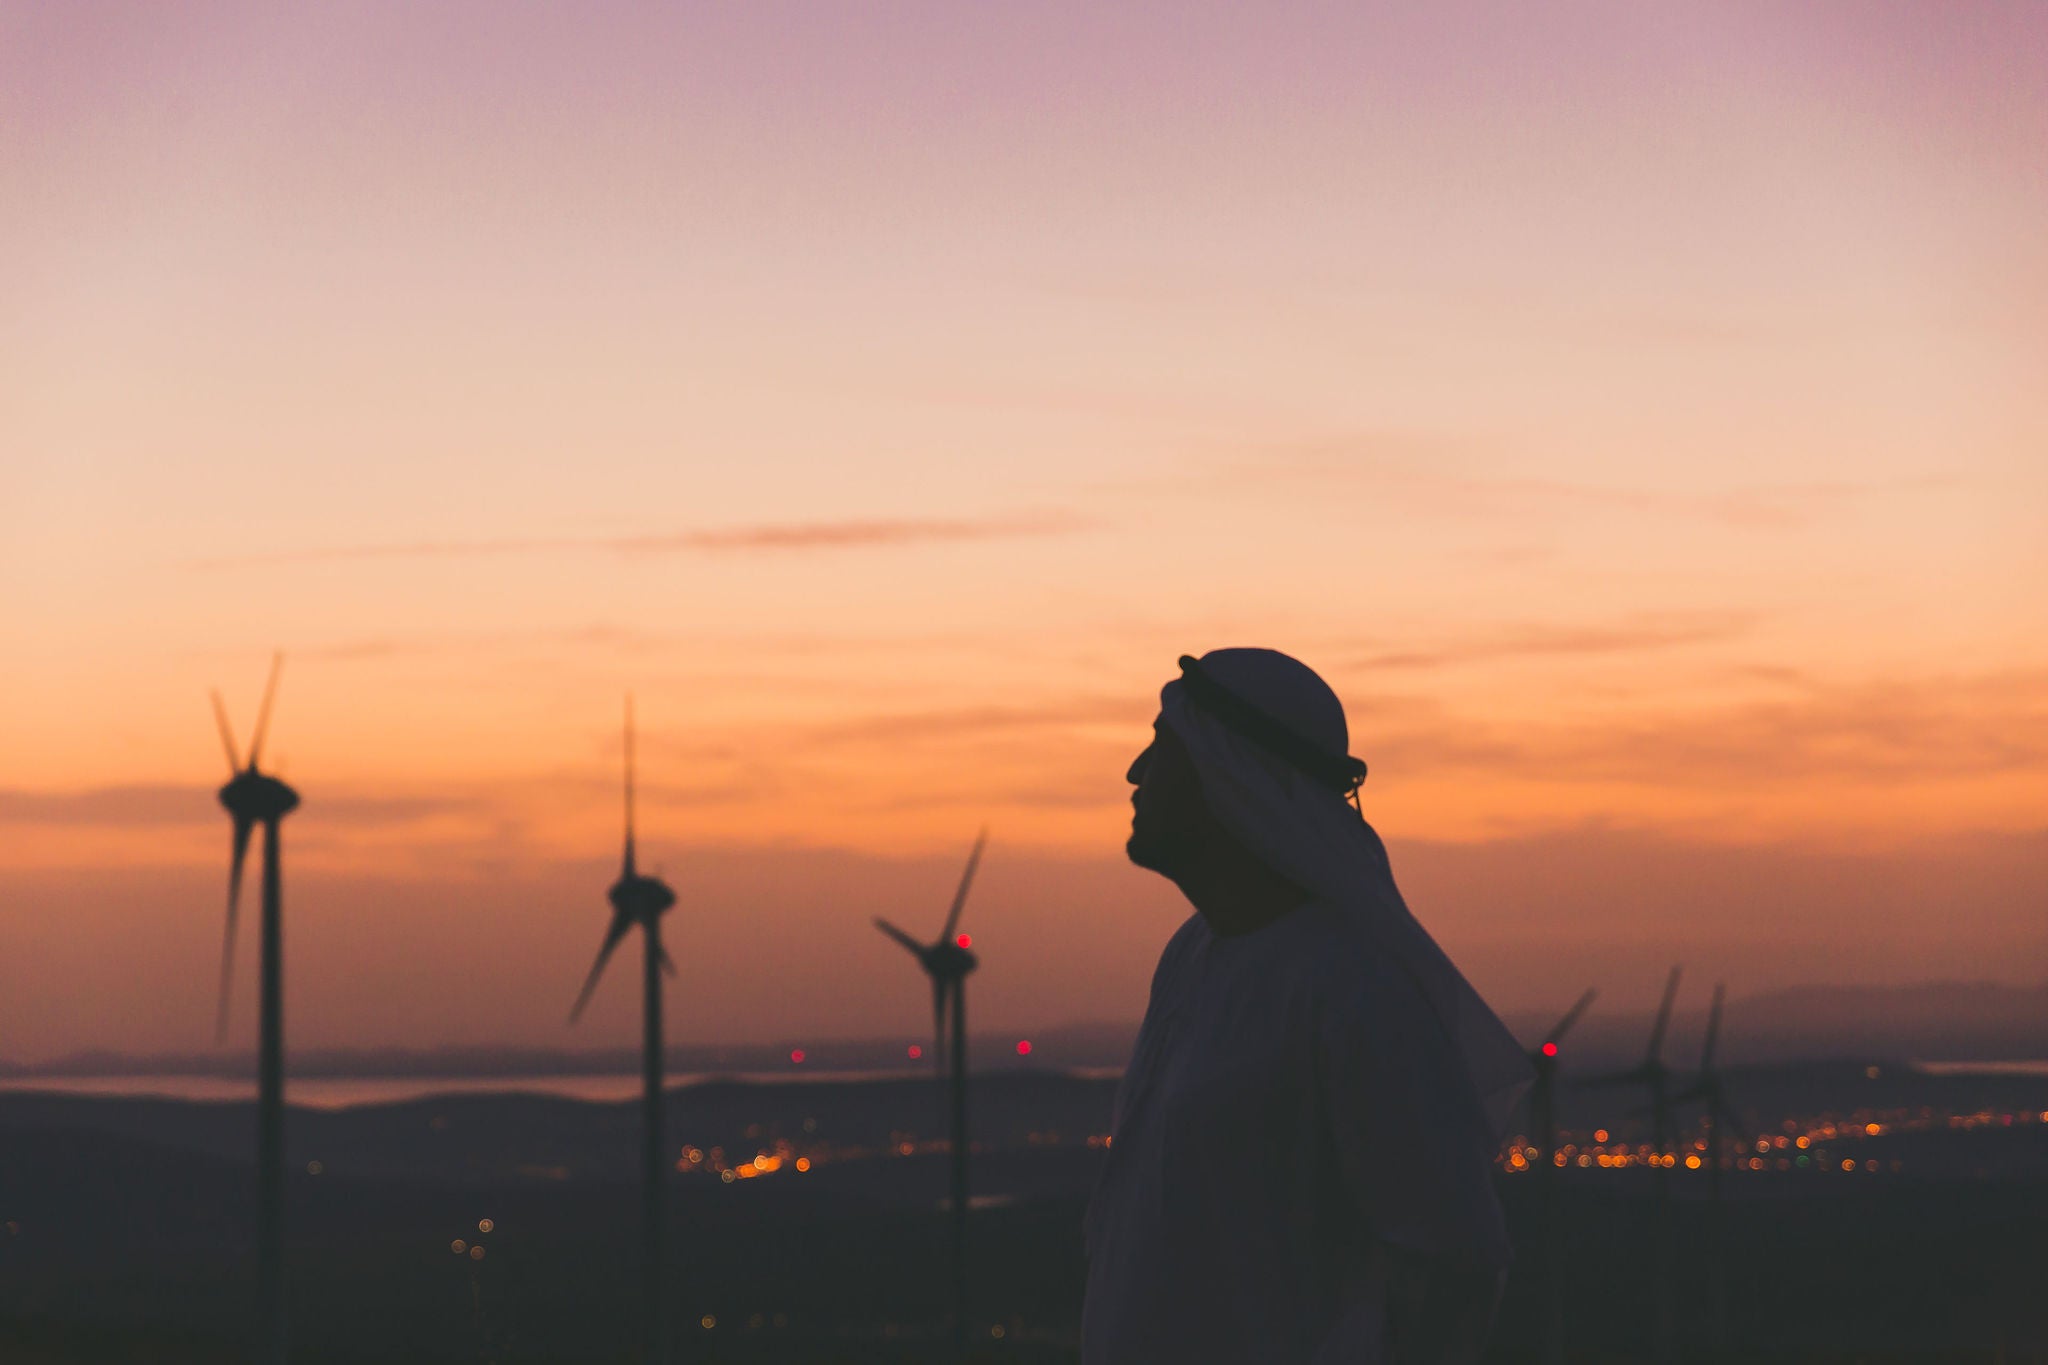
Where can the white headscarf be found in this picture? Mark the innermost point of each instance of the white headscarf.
(1305, 830)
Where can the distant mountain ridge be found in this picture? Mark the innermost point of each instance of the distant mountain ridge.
(1085, 1046)
(1922, 1021)
(1919, 1021)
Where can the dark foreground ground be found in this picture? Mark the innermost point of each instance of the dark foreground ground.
(124, 1227)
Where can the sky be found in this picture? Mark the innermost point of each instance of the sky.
(1633, 410)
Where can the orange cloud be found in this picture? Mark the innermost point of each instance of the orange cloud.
(855, 534)
(1654, 632)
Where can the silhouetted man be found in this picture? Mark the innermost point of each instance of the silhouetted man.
(1301, 1171)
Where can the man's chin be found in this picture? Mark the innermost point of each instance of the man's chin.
(1152, 853)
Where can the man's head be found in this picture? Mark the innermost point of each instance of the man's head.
(1172, 822)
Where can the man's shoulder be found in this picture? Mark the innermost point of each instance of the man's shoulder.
(1191, 932)
(1347, 972)
(1178, 949)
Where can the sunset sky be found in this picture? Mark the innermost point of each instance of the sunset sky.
(1636, 411)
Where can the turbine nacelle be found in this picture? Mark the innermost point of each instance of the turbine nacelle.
(639, 898)
(948, 961)
(256, 797)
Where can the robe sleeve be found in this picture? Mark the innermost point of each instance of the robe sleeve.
(1412, 1152)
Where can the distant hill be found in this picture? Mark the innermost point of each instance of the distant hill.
(1926, 1021)
(1085, 1047)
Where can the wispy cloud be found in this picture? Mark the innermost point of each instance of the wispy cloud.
(976, 722)
(1430, 470)
(751, 646)
(855, 534)
(1895, 731)
(160, 805)
(1786, 506)
(1637, 635)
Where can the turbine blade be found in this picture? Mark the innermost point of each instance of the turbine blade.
(227, 733)
(966, 880)
(629, 784)
(263, 714)
(1664, 1015)
(243, 829)
(1713, 1030)
(893, 932)
(1571, 1017)
(668, 964)
(620, 926)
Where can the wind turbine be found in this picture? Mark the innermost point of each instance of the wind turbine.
(1543, 1093)
(1706, 1090)
(947, 962)
(1652, 1074)
(642, 900)
(254, 797)
(1543, 1110)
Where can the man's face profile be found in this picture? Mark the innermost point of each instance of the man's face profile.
(1169, 817)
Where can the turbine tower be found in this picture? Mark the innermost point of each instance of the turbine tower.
(1654, 1076)
(1543, 1112)
(947, 962)
(638, 900)
(1706, 1090)
(253, 797)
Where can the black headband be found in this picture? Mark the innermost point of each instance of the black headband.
(1339, 772)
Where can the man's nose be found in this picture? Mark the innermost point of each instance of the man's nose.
(1137, 773)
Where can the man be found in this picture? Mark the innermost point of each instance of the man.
(1301, 1168)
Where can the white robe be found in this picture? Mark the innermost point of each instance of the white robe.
(1293, 1105)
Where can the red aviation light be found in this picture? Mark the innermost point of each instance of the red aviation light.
(797, 1056)
(1550, 1049)
(915, 1052)
(1023, 1047)
(965, 941)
